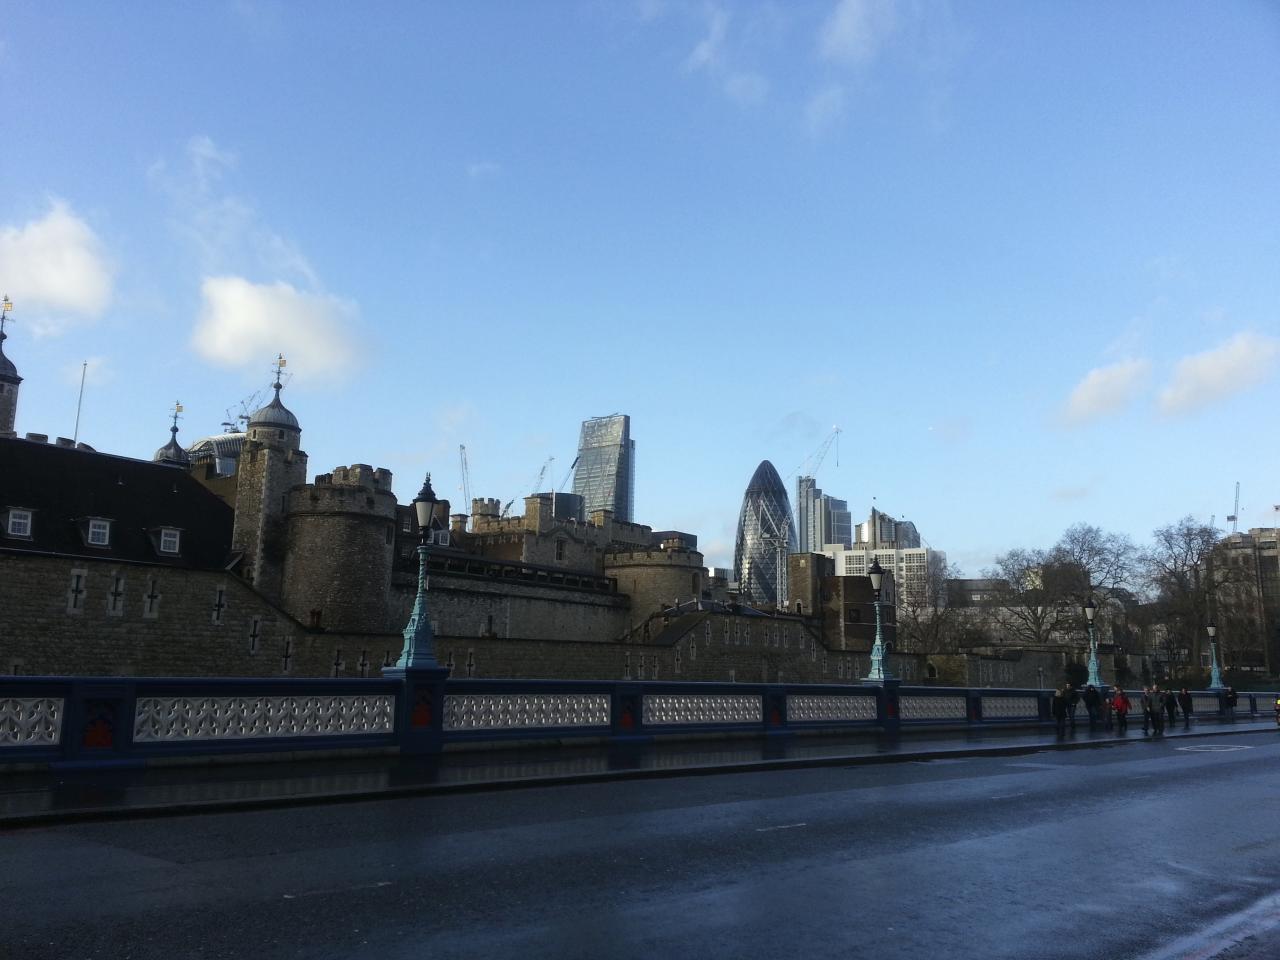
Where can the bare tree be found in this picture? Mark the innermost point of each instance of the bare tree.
(1103, 561)
(1176, 569)
(1029, 598)
(927, 623)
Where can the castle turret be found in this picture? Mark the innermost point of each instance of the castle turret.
(271, 463)
(9, 380)
(172, 452)
(341, 546)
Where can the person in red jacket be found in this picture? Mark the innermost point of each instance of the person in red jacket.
(1120, 704)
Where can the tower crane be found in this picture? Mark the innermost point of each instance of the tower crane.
(466, 476)
(542, 473)
(568, 473)
(1235, 511)
(819, 455)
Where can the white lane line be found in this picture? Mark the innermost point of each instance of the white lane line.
(319, 893)
(785, 826)
(1214, 748)
(1008, 796)
(1226, 933)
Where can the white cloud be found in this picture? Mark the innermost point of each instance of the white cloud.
(96, 371)
(1105, 390)
(856, 30)
(483, 168)
(824, 109)
(711, 56)
(55, 270)
(244, 324)
(1243, 361)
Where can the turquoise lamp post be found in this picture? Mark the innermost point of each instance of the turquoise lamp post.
(1095, 675)
(1215, 674)
(879, 672)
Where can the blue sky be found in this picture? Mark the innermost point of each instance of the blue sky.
(1026, 256)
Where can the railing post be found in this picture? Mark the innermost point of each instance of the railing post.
(98, 721)
(626, 712)
(887, 705)
(973, 706)
(775, 710)
(419, 708)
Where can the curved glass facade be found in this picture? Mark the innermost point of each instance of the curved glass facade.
(605, 471)
(766, 535)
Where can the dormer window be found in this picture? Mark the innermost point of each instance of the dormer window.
(99, 533)
(19, 524)
(170, 540)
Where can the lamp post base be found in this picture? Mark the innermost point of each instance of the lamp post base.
(419, 708)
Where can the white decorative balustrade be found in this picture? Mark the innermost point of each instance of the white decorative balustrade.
(167, 719)
(30, 721)
(693, 708)
(1010, 708)
(807, 708)
(508, 711)
(913, 707)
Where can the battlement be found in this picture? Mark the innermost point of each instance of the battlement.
(654, 557)
(357, 475)
(485, 507)
(327, 497)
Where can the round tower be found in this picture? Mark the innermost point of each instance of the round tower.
(656, 578)
(340, 549)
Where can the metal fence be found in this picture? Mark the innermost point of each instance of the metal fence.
(97, 721)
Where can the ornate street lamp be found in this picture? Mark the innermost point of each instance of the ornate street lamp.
(878, 672)
(1095, 677)
(1215, 675)
(419, 639)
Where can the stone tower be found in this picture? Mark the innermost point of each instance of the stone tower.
(341, 546)
(9, 381)
(271, 464)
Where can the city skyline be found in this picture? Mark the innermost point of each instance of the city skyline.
(1038, 247)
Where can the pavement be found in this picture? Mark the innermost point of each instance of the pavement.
(1154, 849)
(32, 798)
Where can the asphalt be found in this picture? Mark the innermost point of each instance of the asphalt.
(33, 798)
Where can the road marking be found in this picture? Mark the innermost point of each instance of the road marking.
(319, 893)
(1008, 796)
(1214, 748)
(1223, 935)
(785, 826)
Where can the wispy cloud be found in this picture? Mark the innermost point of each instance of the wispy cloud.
(96, 371)
(55, 269)
(242, 324)
(711, 56)
(824, 109)
(856, 30)
(259, 294)
(1205, 378)
(482, 169)
(1105, 390)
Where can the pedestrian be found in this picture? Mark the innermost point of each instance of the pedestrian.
(1171, 706)
(1107, 709)
(1185, 703)
(1058, 706)
(1145, 703)
(1092, 702)
(1120, 704)
(1073, 698)
(1231, 703)
(1157, 709)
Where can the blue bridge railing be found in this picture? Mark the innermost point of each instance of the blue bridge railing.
(104, 721)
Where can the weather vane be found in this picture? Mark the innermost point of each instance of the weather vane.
(177, 409)
(278, 366)
(5, 306)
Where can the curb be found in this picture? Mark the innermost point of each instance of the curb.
(227, 805)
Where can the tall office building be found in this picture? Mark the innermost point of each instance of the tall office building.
(820, 519)
(605, 474)
(766, 535)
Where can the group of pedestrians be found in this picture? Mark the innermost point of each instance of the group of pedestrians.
(1112, 708)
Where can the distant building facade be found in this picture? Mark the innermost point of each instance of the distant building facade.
(605, 472)
(820, 520)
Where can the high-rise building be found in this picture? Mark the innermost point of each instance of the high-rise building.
(605, 473)
(820, 519)
(766, 535)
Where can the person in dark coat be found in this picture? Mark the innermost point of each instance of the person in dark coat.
(1058, 707)
(1157, 709)
(1185, 703)
(1232, 699)
(1073, 698)
(1171, 706)
(1092, 702)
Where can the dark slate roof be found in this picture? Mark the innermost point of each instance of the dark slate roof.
(172, 451)
(64, 487)
(275, 414)
(8, 372)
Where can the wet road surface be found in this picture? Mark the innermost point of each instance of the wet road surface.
(1161, 850)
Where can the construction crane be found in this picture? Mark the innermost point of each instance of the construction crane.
(1235, 511)
(466, 477)
(819, 455)
(542, 473)
(568, 473)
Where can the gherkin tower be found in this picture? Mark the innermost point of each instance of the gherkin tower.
(766, 535)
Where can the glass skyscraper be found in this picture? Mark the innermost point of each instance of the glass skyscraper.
(605, 472)
(820, 519)
(766, 536)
